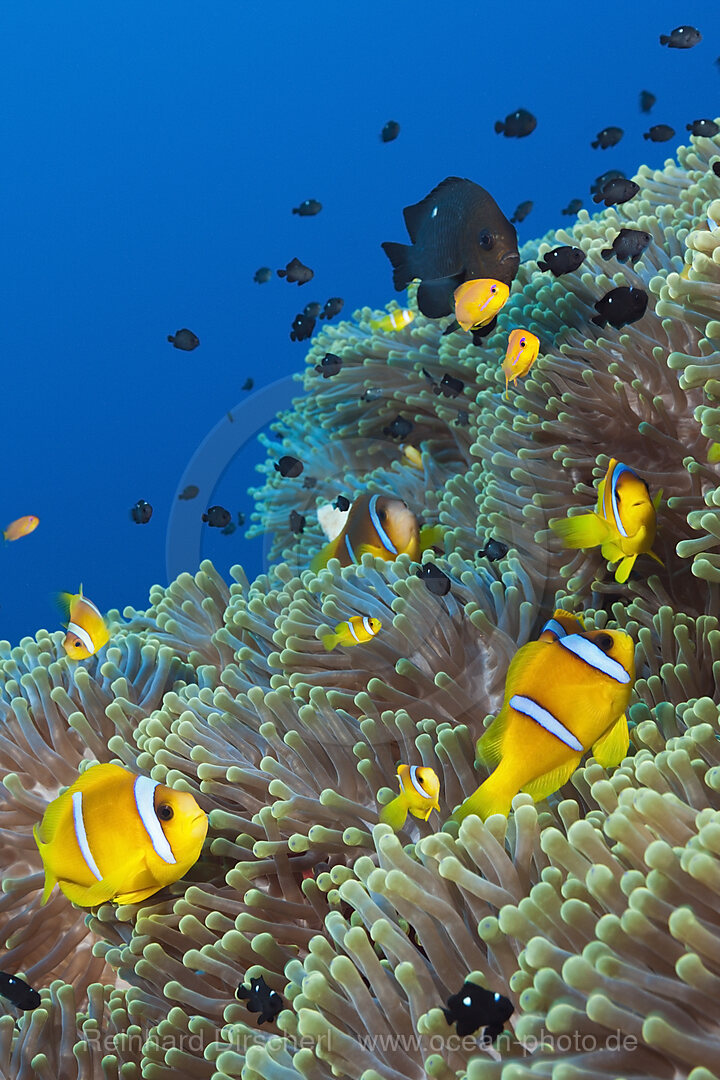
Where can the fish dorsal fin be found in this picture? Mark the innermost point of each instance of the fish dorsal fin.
(416, 214)
(332, 521)
(551, 781)
(612, 747)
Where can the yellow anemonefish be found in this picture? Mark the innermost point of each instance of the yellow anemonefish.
(355, 631)
(419, 790)
(522, 352)
(21, 527)
(396, 320)
(623, 524)
(562, 698)
(477, 302)
(86, 629)
(412, 455)
(117, 836)
(381, 525)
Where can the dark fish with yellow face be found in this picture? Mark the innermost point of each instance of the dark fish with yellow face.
(572, 207)
(516, 125)
(609, 136)
(682, 37)
(659, 133)
(620, 307)
(647, 100)
(390, 132)
(297, 271)
(184, 339)
(521, 211)
(629, 244)
(562, 260)
(309, 208)
(458, 233)
(616, 192)
(380, 525)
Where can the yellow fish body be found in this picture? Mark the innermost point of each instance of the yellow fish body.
(623, 524)
(21, 527)
(412, 455)
(714, 453)
(562, 698)
(561, 624)
(396, 320)
(87, 631)
(355, 631)
(419, 790)
(522, 352)
(381, 525)
(478, 301)
(117, 836)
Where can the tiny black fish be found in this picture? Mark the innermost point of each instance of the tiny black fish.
(562, 260)
(18, 992)
(600, 181)
(217, 517)
(703, 127)
(462, 419)
(333, 307)
(261, 999)
(399, 428)
(628, 244)
(309, 208)
(189, 492)
(572, 207)
(302, 328)
(450, 386)
(297, 271)
(522, 210)
(297, 522)
(263, 275)
(141, 512)
(516, 125)
(248, 384)
(184, 339)
(616, 192)
(390, 131)
(682, 37)
(341, 503)
(313, 309)
(474, 1007)
(309, 482)
(240, 518)
(621, 306)
(435, 581)
(659, 133)
(647, 100)
(493, 550)
(431, 379)
(289, 466)
(609, 136)
(372, 393)
(329, 365)
(229, 529)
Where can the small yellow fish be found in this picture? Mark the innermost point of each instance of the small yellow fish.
(477, 302)
(396, 320)
(21, 527)
(412, 455)
(419, 790)
(117, 836)
(522, 352)
(87, 631)
(562, 698)
(623, 524)
(382, 525)
(355, 631)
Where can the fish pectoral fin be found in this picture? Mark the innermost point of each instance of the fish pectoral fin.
(551, 781)
(612, 747)
(137, 896)
(394, 813)
(455, 325)
(655, 557)
(657, 498)
(435, 297)
(583, 530)
(432, 536)
(489, 745)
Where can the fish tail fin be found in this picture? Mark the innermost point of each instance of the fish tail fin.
(581, 531)
(595, 144)
(432, 536)
(622, 572)
(394, 813)
(330, 641)
(499, 126)
(400, 256)
(664, 39)
(494, 796)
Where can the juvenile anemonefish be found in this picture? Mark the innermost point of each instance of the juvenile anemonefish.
(355, 631)
(477, 302)
(412, 455)
(117, 836)
(21, 527)
(419, 790)
(381, 525)
(562, 698)
(86, 628)
(623, 523)
(396, 320)
(522, 352)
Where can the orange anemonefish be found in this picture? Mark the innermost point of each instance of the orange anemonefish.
(563, 696)
(623, 523)
(86, 628)
(117, 836)
(478, 301)
(522, 352)
(419, 790)
(396, 320)
(21, 527)
(381, 525)
(355, 631)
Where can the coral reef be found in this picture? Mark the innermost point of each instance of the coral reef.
(597, 912)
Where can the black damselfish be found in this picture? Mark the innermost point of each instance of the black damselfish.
(289, 466)
(516, 125)
(329, 365)
(659, 133)
(261, 999)
(562, 260)
(493, 550)
(332, 307)
(141, 512)
(647, 100)
(302, 327)
(621, 306)
(184, 339)
(309, 208)
(629, 244)
(297, 271)
(609, 136)
(474, 1007)
(390, 131)
(682, 37)
(435, 580)
(616, 192)
(458, 234)
(217, 517)
(572, 207)
(703, 127)
(297, 522)
(18, 992)
(604, 178)
(522, 210)
(399, 428)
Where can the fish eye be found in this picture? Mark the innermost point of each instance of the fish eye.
(486, 239)
(493, 288)
(382, 514)
(522, 340)
(604, 642)
(165, 812)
